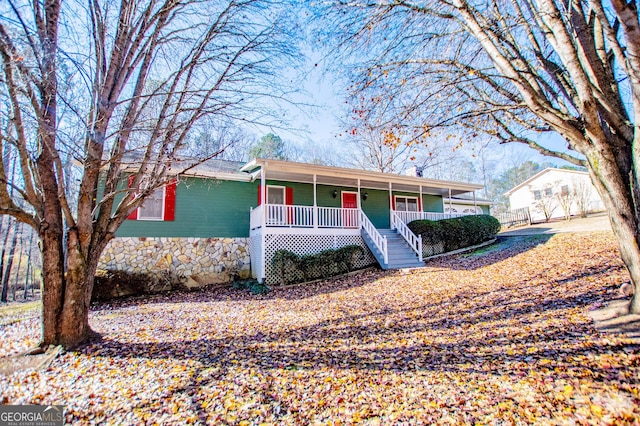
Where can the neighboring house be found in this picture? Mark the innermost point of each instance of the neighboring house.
(212, 223)
(556, 193)
(467, 205)
(463, 203)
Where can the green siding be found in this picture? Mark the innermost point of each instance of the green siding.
(204, 208)
(432, 203)
(376, 207)
(303, 193)
(485, 209)
(325, 195)
(213, 208)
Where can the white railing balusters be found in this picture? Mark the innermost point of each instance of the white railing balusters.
(327, 217)
(412, 239)
(379, 241)
(306, 216)
(407, 217)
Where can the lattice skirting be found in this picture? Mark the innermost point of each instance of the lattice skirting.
(304, 245)
(429, 250)
(257, 252)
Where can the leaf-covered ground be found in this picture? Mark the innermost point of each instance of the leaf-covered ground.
(498, 337)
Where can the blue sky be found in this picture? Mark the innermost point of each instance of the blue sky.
(316, 120)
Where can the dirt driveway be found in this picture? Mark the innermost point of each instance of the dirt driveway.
(595, 222)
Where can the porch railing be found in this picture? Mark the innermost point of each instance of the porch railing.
(407, 217)
(281, 215)
(378, 240)
(255, 220)
(305, 217)
(332, 217)
(415, 242)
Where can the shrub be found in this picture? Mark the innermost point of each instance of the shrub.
(286, 265)
(452, 234)
(293, 268)
(252, 285)
(109, 284)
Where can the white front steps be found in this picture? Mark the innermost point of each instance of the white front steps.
(400, 254)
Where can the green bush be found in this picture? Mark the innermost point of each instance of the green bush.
(252, 285)
(456, 233)
(292, 268)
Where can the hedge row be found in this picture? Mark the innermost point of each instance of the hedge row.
(292, 268)
(456, 233)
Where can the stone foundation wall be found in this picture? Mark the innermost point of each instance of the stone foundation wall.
(192, 261)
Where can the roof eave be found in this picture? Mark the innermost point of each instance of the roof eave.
(310, 169)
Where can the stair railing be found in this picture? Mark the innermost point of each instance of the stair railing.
(379, 240)
(415, 242)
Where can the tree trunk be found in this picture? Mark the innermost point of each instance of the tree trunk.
(7, 272)
(616, 193)
(3, 294)
(20, 253)
(68, 321)
(28, 272)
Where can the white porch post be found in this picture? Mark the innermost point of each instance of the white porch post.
(315, 202)
(390, 204)
(359, 204)
(263, 195)
(420, 205)
(263, 198)
(450, 206)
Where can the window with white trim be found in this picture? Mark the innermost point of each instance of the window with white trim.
(276, 194)
(406, 204)
(153, 206)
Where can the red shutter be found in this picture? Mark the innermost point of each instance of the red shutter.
(134, 214)
(420, 203)
(288, 200)
(170, 201)
(259, 194)
(393, 202)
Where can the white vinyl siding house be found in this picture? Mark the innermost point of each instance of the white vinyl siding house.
(551, 191)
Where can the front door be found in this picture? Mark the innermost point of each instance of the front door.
(349, 217)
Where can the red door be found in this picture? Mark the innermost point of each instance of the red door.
(349, 217)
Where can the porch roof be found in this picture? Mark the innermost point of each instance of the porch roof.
(339, 176)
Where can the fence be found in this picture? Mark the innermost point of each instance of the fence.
(513, 218)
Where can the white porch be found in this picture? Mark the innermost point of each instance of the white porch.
(285, 216)
(308, 229)
(311, 229)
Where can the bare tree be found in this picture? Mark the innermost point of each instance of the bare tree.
(28, 273)
(16, 278)
(545, 202)
(583, 194)
(6, 275)
(152, 70)
(211, 134)
(565, 199)
(376, 150)
(512, 69)
(387, 147)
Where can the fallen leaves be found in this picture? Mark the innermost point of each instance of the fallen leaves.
(500, 337)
